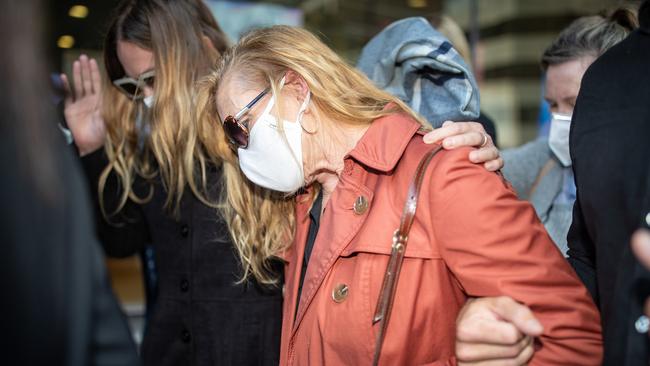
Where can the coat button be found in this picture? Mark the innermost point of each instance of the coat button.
(185, 285)
(186, 337)
(340, 293)
(647, 219)
(185, 230)
(360, 205)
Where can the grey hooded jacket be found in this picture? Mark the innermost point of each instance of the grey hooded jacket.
(416, 63)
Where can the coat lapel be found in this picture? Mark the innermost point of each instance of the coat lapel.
(339, 224)
(379, 150)
(294, 256)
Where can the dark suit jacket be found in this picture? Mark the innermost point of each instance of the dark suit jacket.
(57, 305)
(201, 316)
(610, 148)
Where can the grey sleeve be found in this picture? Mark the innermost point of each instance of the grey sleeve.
(523, 164)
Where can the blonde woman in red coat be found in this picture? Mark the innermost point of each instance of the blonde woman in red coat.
(304, 123)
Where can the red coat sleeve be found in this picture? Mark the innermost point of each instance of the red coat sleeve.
(494, 244)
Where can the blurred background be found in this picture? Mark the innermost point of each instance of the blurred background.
(504, 40)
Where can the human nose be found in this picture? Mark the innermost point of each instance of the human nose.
(147, 91)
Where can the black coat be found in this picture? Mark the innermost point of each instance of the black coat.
(610, 149)
(201, 316)
(57, 305)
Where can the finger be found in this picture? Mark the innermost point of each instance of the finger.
(494, 165)
(95, 76)
(469, 138)
(85, 75)
(473, 352)
(448, 129)
(488, 331)
(484, 154)
(521, 359)
(76, 76)
(518, 314)
(68, 97)
(641, 246)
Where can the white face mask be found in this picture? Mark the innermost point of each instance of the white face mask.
(558, 138)
(142, 123)
(148, 101)
(273, 159)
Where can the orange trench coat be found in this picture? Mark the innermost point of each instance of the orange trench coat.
(472, 237)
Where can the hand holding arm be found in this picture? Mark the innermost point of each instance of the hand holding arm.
(495, 331)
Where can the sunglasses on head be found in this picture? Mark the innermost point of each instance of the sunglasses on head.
(235, 130)
(133, 88)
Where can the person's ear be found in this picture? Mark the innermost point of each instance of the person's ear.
(297, 84)
(207, 43)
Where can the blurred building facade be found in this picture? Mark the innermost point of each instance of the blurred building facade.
(510, 36)
(513, 34)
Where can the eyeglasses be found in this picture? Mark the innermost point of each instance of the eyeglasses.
(236, 131)
(134, 88)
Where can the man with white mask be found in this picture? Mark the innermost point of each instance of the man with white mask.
(540, 171)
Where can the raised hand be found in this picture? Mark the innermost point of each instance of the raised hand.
(83, 105)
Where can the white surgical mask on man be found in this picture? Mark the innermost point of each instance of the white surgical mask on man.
(273, 159)
(558, 138)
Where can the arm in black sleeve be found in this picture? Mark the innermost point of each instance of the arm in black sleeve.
(581, 252)
(126, 232)
(582, 249)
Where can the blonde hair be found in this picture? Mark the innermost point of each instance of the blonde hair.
(261, 222)
(454, 33)
(174, 32)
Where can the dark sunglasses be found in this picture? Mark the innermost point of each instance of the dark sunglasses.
(236, 131)
(133, 88)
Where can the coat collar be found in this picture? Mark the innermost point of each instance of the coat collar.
(383, 144)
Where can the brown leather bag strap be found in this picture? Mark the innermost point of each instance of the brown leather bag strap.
(400, 240)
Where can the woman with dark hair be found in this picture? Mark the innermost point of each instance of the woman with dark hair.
(57, 305)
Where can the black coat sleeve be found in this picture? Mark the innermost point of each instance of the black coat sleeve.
(581, 252)
(582, 249)
(124, 233)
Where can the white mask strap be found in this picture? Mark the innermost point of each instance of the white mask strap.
(303, 107)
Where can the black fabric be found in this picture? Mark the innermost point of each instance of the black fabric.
(57, 304)
(644, 16)
(201, 316)
(610, 153)
(314, 225)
